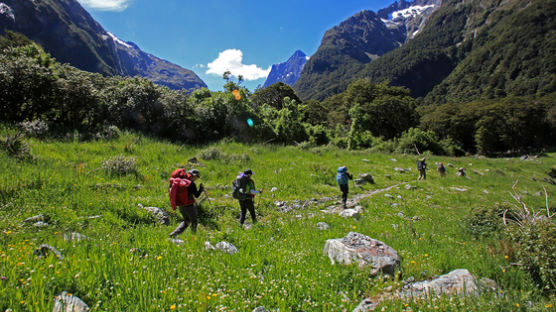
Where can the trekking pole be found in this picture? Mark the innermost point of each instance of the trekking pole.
(207, 195)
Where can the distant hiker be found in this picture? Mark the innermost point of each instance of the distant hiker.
(441, 169)
(422, 168)
(243, 189)
(343, 178)
(461, 172)
(182, 191)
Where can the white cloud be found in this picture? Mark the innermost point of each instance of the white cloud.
(232, 60)
(106, 5)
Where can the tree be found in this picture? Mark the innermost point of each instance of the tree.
(274, 95)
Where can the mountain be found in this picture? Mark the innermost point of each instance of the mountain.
(287, 72)
(71, 35)
(347, 48)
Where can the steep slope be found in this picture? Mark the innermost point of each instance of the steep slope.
(476, 49)
(71, 35)
(345, 49)
(287, 72)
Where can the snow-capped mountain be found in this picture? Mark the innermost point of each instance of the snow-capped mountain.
(287, 72)
(409, 16)
(71, 35)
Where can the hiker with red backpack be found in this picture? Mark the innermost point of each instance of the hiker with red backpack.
(182, 192)
(243, 189)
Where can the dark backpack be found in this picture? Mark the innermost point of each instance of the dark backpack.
(238, 183)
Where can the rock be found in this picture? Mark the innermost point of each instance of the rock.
(40, 224)
(367, 178)
(138, 187)
(524, 157)
(401, 214)
(485, 191)
(66, 302)
(177, 241)
(363, 250)
(226, 247)
(393, 159)
(193, 160)
(274, 189)
(358, 182)
(44, 250)
(323, 226)
(450, 165)
(478, 172)
(409, 187)
(75, 237)
(552, 173)
(160, 215)
(366, 305)
(365, 160)
(458, 282)
(387, 176)
(400, 170)
(487, 285)
(395, 227)
(37, 218)
(399, 197)
(208, 246)
(428, 197)
(388, 195)
(394, 204)
(350, 213)
(539, 193)
(459, 189)
(260, 309)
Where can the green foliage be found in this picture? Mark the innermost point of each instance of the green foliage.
(486, 221)
(274, 95)
(120, 165)
(289, 128)
(417, 138)
(318, 134)
(15, 146)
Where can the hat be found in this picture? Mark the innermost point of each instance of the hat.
(248, 171)
(195, 173)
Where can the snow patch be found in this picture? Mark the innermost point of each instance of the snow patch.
(120, 42)
(411, 11)
(6, 10)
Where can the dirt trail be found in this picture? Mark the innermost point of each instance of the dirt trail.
(355, 199)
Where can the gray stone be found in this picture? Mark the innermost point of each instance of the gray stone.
(450, 165)
(400, 170)
(37, 218)
(401, 214)
(160, 215)
(274, 189)
(66, 302)
(226, 247)
(75, 237)
(393, 159)
(260, 309)
(44, 250)
(323, 226)
(208, 246)
(349, 213)
(388, 195)
(409, 187)
(177, 241)
(365, 160)
(40, 224)
(363, 250)
(459, 189)
(366, 305)
(366, 178)
(399, 196)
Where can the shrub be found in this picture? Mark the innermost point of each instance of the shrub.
(109, 133)
(318, 135)
(211, 154)
(15, 146)
(417, 138)
(534, 232)
(120, 165)
(36, 128)
(486, 221)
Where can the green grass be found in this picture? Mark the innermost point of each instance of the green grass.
(130, 265)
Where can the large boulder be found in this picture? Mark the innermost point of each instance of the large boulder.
(44, 250)
(66, 302)
(456, 283)
(226, 247)
(363, 250)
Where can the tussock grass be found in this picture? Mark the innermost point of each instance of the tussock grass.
(128, 264)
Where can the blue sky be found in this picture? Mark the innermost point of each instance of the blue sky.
(210, 36)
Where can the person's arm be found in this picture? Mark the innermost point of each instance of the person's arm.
(251, 187)
(194, 191)
(350, 176)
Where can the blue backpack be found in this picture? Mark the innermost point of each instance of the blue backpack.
(342, 177)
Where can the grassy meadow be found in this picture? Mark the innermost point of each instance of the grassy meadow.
(129, 264)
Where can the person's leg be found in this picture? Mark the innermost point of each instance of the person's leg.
(183, 225)
(345, 190)
(191, 212)
(243, 207)
(251, 207)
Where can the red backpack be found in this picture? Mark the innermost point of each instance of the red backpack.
(178, 191)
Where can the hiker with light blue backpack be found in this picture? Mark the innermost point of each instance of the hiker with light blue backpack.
(343, 178)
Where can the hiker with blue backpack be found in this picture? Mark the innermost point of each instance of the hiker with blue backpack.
(243, 189)
(343, 178)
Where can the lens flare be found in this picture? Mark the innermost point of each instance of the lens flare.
(238, 97)
(250, 122)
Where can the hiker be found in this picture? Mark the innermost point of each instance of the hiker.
(441, 169)
(461, 172)
(422, 168)
(244, 191)
(343, 178)
(183, 192)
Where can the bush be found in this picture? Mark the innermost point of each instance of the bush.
(36, 128)
(109, 133)
(120, 165)
(318, 135)
(423, 140)
(486, 221)
(15, 146)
